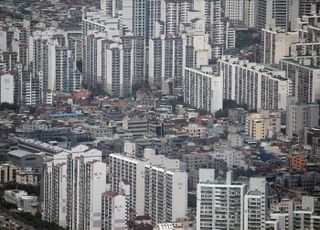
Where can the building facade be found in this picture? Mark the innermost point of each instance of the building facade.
(73, 184)
(203, 89)
(219, 203)
(257, 86)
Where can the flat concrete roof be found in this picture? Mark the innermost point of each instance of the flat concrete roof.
(20, 153)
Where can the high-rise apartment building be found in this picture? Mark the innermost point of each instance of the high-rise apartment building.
(128, 168)
(198, 49)
(301, 66)
(228, 205)
(300, 116)
(42, 62)
(114, 211)
(112, 57)
(264, 13)
(257, 86)
(305, 80)
(167, 60)
(158, 187)
(256, 205)
(250, 13)
(214, 26)
(234, 10)
(140, 17)
(93, 24)
(28, 89)
(73, 184)
(116, 64)
(230, 36)
(277, 44)
(53, 63)
(169, 54)
(109, 7)
(307, 7)
(279, 12)
(165, 194)
(88, 182)
(10, 59)
(155, 13)
(176, 13)
(15, 44)
(220, 204)
(203, 89)
(122, 64)
(7, 88)
(308, 217)
(68, 77)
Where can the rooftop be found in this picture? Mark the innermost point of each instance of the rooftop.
(66, 115)
(20, 153)
(254, 193)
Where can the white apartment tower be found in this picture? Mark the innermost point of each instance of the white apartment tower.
(176, 14)
(214, 25)
(234, 10)
(124, 167)
(122, 64)
(169, 54)
(114, 211)
(109, 7)
(167, 60)
(112, 57)
(300, 116)
(203, 89)
(73, 184)
(155, 13)
(305, 80)
(198, 50)
(165, 194)
(277, 44)
(7, 88)
(55, 193)
(68, 77)
(95, 27)
(219, 203)
(273, 11)
(257, 86)
(255, 205)
(53, 63)
(40, 64)
(250, 13)
(308, 217)
(28, 88)
(157, 186)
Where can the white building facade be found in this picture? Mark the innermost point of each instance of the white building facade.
(73, 184)
(7, 88)
(203, 89)
(257, 86)
(219, 203)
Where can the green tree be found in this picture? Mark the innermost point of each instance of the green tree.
(229, 104)
(3, 158)
(30, 189)
(7, 106)
(6, 205)
(247, 38)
